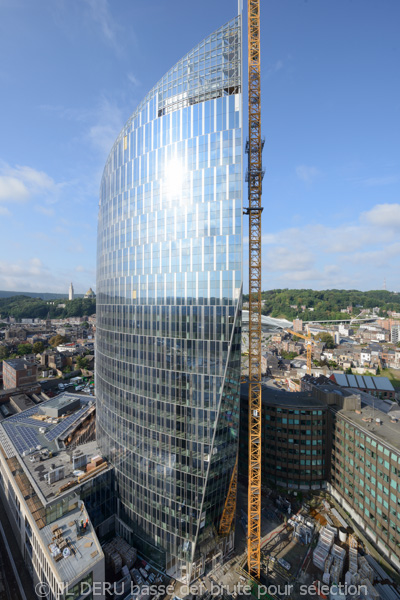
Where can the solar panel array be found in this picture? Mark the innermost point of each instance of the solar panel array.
(23, 438)
(23, 430)
(65, 423)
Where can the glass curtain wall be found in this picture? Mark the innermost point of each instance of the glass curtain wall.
(169, 284)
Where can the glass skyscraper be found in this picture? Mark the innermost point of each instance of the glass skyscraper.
(169, 284)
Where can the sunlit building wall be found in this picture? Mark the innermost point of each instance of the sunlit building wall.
(169, 284)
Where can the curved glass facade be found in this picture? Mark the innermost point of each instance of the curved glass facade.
(169, 282)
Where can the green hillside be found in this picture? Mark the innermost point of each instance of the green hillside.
(24, 307)
(327, 304)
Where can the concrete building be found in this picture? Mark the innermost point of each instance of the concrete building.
(57, 499)
(295, 431)
(298, 325)
(18, 372)
(71, 292)
(365, 474)
(395, 333)
(169, 309)
(342, 440)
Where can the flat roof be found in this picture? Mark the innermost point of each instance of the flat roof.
(32, 428)
(84, 549)
(20, 437)
(19, 363)
(38, 468)
(387, 431)
(277, 397)
(22, 401)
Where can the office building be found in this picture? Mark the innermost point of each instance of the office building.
(343, 441)
(57, 497)
(18, 372)
(295, 439)
(169, 284)
(365, 473)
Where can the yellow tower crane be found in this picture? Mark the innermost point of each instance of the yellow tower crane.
(309, 346)
(254, 177)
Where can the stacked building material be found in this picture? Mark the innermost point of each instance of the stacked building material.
(370, 592)
(336, 571)
(348, 578)
(321, 552)
(326, 578)
(113, 559)
(320, 555)
(366, 571)
(118, 553)
(328, 563)
(338, 552)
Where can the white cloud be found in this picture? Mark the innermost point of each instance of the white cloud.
(376, 181)
(307, 174)
(383, 215)
(12, 189)
(4, 211)
(108, 123)
(45, 210)
(281, 258)
(99, 12)
(134, 80)
(345, 255)
(20, 183)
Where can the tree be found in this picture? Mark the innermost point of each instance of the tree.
(82, 362)
(58, 339)
(4, 353)
(38, 347)
(24, 349)
(327, 339)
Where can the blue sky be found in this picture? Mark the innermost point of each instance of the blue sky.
(72, 71)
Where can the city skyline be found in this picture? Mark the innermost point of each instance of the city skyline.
(329, 96)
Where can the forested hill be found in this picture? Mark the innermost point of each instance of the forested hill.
(327, 304)
(42, 295)
(23, 307)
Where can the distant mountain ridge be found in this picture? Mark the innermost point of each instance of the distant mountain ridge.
(43, 295)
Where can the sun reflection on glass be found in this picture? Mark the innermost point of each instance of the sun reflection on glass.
(174, 177)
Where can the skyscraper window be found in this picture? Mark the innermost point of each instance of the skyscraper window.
(169, 285)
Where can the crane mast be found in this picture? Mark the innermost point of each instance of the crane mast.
(254, 148)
